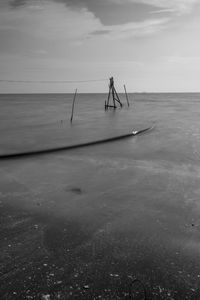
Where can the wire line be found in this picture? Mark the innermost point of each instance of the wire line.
(52, 81)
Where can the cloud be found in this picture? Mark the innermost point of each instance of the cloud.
(40, 21)
(133, 29)
(81, 24)
(49, 20)
(177, 6)
(166, 10)
(60, 19)
(16, 3)
(183, 60)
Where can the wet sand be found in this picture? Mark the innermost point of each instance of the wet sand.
(83, 224)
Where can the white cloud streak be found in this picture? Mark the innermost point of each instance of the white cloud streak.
(179, 7)
(134, 29)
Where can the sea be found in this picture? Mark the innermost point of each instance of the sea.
(116, 220)
(39, 121)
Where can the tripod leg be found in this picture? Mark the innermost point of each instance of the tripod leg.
(113, 95)
(117, 97)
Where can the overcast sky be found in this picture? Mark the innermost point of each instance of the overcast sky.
(150, 45)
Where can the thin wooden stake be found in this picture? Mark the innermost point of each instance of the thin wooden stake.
(126, 95)
(72, 114)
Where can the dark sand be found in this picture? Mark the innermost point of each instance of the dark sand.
(83, 224)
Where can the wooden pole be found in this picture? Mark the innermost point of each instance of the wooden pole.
(72, 114)
(108, 99)
(126, 95)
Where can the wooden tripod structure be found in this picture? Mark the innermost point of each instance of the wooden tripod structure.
(112, 94)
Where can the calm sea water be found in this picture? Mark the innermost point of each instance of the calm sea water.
(35, 121)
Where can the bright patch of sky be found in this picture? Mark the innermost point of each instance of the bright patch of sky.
(151, 45)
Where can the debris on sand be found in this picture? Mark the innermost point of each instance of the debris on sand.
(45, 297)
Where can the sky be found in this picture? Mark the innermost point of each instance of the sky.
(149, 45)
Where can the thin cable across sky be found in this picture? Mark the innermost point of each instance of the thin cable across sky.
(52, 81)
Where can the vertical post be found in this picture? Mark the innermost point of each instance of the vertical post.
(126, 95)
(108, 99)
(72, 114)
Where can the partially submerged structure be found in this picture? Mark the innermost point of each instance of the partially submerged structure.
(113, 95)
